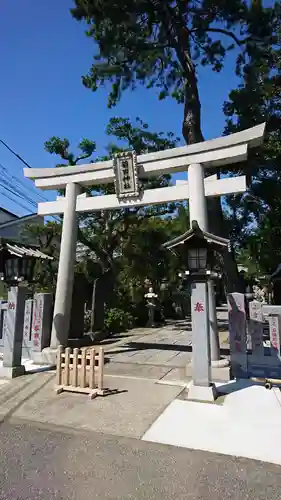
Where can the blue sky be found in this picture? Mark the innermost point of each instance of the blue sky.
(44, 52)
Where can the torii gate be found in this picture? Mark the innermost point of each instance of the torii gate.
(194, 159)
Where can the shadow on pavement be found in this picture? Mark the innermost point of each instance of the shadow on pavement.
(235, 386)
(140, 346)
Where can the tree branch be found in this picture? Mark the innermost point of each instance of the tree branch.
(82, 157)
(224, 32)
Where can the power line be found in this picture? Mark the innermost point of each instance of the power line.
(5, 170)
(12, 199)
(19, 181)
(9, 187)
(15, 191)
(17, 202)
(15, 154)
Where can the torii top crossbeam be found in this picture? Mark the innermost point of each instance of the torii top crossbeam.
(216, 152)
(227, 150)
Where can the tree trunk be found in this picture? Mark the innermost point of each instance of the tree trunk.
(191, 126)
(192, 133)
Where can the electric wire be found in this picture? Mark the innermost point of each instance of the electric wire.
(14, 153)
(6, 179)
(17, 193)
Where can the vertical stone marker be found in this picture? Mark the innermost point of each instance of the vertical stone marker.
(237, 334)
(201, 387)
(27, 344)
(273, 314)
(256, 328)
(274, 332)
(41, 321)
(13, 336)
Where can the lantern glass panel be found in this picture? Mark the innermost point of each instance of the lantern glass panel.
(202, 252)
(27, 269)
(12, 269)
(197, 259)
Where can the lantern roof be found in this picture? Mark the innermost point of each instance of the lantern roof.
(196, 236)
(18, 250)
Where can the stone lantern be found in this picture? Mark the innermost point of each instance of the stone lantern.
(197, 250)
(17, 262)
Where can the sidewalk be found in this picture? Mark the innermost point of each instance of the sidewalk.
(147, 400)
(129, 410)
(247, 423)
(244, 422)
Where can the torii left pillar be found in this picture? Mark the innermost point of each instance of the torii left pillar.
(65, 278)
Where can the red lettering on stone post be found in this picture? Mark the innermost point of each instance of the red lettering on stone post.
(199, 307)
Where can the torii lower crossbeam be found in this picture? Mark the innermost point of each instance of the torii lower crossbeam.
(213, 188)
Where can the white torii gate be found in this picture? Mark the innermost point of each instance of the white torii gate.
(194, 159)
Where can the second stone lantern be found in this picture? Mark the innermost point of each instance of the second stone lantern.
(197, 250)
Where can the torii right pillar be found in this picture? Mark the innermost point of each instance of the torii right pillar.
(198, 212)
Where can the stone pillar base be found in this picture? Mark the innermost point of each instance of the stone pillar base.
(12, 371)
(47, 356)
(220, 363)
(201, 393)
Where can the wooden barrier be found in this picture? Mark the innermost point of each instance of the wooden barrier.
(80, 371)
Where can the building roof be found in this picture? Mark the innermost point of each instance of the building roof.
(17, 219)
(22, 251)
(8, 212)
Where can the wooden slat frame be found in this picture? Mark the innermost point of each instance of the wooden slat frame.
(74, 367)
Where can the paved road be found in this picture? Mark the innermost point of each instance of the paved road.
(46, 464)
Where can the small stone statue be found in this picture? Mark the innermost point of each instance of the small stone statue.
(151, 298)
(259, 294)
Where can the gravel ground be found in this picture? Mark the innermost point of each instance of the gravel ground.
(40, 462)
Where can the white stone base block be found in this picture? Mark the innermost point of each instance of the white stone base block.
(47, 356)
(12, 371)
(220, 363)
(200, 393)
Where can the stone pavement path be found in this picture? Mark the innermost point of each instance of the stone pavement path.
(169, 346)
(157, 352)
(53, 463)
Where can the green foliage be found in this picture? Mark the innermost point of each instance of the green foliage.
(148, 42)
(160, 44)
(57, 146)
(125, 245)
(106, 233)
(47, 237)
(117, 320)
(60, 147)
(255, 218)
